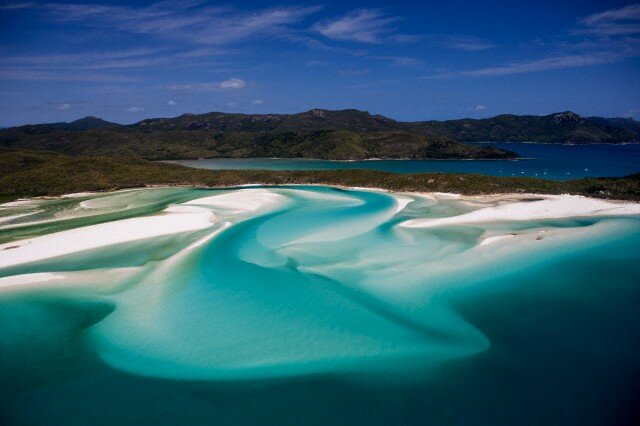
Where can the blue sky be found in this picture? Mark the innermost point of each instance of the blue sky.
(125, 61)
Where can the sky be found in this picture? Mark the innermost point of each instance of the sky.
(408, 60)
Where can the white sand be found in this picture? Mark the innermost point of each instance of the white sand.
(192, 216)
(176, 219)
(495, 239)
(21, 203)
(551, 207)
(198, 214)
(447, 195)
(20, 280)
(402, 202)
(240, 201)
(100, 280)
(79, 194)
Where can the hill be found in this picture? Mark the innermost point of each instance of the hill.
(180, 139)
(565, 127)
(337, 135)
(86, 123)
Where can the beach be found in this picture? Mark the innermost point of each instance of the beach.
(204, 212)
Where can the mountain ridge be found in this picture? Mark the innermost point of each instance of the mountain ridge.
(345, 119)
(326, 134)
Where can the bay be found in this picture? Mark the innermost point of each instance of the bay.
(547, 161)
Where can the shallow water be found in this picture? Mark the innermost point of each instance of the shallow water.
(320, 309)
(539, 160)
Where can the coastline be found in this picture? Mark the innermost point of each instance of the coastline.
(189, 217)
(109, 174)
(341, 161)
(553, 143)
(29, 200)
(203, 213)
(529, 207)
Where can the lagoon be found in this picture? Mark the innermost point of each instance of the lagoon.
(316, 305)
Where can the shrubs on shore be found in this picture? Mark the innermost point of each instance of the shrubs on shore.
(38, 173)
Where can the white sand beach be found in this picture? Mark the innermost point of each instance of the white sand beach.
(19, 280)
(173, 221)
(240, 201)
(511, 208)
(495, 239)
(191, 216)
(402, 202)
(199, 214)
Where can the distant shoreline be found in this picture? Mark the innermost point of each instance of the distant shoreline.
(554, 143)
(475, 196)
(343, 161)
(28, 174)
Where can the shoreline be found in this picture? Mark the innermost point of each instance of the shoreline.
(529, 208)
(184, 218)
(121, 173)
(28, 200)
(211, 212)
(200, 213)
(561, 144)
(338, 161)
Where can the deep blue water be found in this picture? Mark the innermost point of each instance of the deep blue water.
(539, 160)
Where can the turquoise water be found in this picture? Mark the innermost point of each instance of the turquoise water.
(539, 160)
(319, 308)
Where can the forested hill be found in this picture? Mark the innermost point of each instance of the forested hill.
(564, 127)
(86, 123)
(340, 135)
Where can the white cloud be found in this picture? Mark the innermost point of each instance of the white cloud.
(400, 61)
(17, 6)
(480, 107)
(87, 66)
(63, 106)
(36, 74)
(463, 42)
(546, 64)
(172, 103)
(541, 65)
(192, 21)
(353, 73)
(605, 38)
(134, 109)
(233, 83)
(404, 38)
(316, 63)
(364, 25)
(257, 102)
(614, 22)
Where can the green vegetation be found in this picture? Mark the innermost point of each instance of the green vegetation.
(565, 127)
(335, 135)
(37, 173)
(181, 144)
